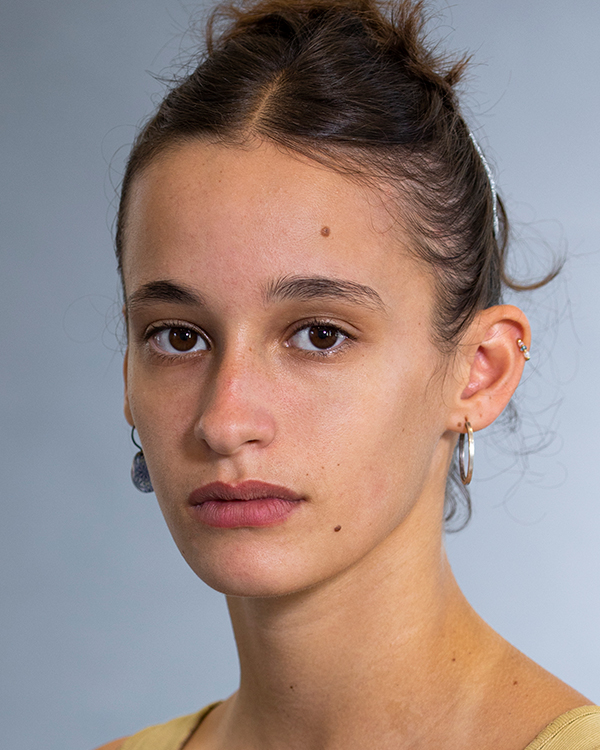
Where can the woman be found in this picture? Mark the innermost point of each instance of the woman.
(312, 254)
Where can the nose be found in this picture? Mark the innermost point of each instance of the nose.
(236, 408)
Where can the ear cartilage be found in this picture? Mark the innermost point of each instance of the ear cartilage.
(524, 349)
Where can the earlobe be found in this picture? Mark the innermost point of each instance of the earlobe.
(126, 409)
(493, 363)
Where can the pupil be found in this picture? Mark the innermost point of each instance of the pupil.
(182, 339)
(322, 337)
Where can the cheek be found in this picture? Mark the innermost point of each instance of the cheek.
(372, 433)
(163, 408)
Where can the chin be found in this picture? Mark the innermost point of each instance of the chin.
(249, 570)
(250, 584)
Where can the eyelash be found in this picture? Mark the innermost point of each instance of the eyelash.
(165, 326)
(323, 323)
(305, 324)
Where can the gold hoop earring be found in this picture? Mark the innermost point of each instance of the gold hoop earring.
(466, 476)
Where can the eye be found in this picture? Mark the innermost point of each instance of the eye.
(318, 337)
(178, 340)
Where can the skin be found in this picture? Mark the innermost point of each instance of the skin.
(364, 434)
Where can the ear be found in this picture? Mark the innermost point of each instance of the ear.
(489, 366)
(126, 409)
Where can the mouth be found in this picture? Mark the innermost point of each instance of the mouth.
(249, 504)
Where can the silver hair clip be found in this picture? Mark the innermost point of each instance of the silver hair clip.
(488, 170)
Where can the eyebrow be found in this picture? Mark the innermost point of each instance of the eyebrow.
(322, 287)
(282, 289)
(164, 291)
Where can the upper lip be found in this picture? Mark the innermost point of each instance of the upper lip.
(251, 489)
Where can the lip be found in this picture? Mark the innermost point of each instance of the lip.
(249, 504)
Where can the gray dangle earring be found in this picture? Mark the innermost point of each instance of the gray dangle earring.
(139, 470)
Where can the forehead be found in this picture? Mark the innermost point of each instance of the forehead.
(254, 214)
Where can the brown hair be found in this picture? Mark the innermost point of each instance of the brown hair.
(352, 84)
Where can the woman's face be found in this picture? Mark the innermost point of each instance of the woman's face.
(279, 333)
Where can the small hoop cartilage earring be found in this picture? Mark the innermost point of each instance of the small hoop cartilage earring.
(523, 348)
(139, 470)
(466, 476)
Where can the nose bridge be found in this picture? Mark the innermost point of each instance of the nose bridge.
(235, 375)
(235, 411)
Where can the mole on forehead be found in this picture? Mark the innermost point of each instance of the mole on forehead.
(325, 231)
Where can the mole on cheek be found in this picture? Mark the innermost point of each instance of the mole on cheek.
(337, 528)
(325, 231)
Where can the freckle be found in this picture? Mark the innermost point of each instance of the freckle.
(459, 424)
(291, 687)
(337, 528)
(515, 682)
(325, 231)
(453, 658)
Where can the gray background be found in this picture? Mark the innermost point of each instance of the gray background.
(104, 629)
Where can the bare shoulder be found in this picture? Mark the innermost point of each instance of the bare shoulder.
(114, 745)
(548, 689)
(525, 699)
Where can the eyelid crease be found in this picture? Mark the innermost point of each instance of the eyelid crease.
(165, 324)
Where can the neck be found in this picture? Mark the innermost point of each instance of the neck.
(392, 631)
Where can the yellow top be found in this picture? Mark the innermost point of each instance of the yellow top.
(578, 729)
(170, 736)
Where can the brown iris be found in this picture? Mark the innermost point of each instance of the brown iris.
(323, 337)
(182, 339)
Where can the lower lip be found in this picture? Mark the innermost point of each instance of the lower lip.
(232, 514)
